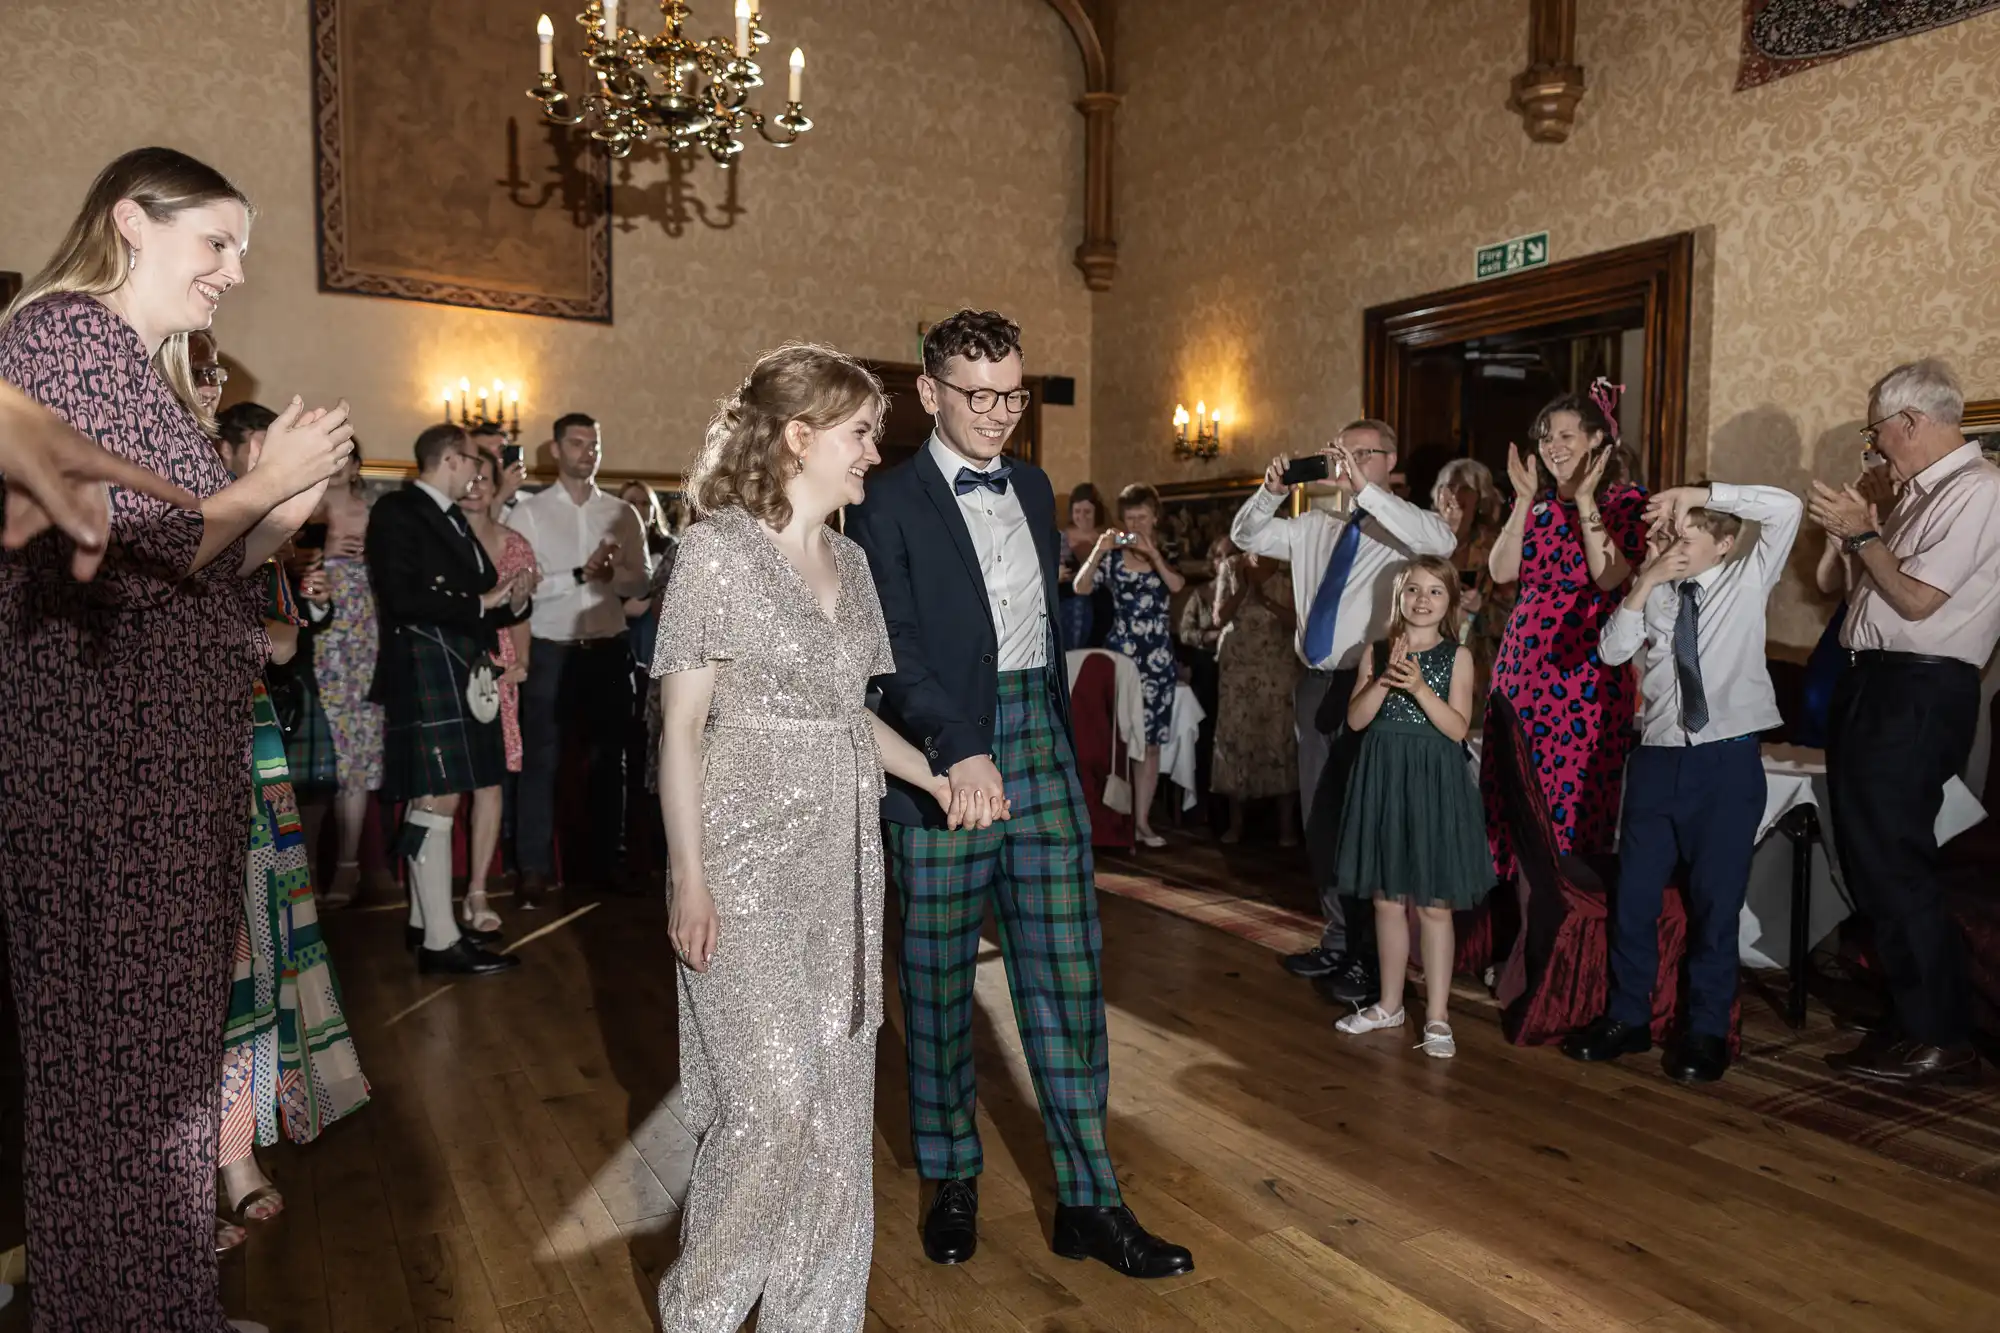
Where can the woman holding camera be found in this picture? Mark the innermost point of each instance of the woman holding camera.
(1571, 542)
(1142, 586)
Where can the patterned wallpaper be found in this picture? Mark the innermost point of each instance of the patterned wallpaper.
(1284, 164)
(945, 171)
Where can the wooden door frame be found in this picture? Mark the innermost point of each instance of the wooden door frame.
(1657, 275)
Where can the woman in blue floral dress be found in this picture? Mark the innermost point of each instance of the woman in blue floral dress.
(1142, 585)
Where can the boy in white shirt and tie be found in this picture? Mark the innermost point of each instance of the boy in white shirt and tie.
(1694, 790)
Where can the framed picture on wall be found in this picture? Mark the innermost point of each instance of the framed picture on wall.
(1194, 513)
(1981, 422)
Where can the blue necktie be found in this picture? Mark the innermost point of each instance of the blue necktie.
(1687, 659)
(996, 480)
(1326, 602)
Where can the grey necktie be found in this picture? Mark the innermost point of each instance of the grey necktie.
(1687, 658)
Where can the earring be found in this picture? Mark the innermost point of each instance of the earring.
(132, 261)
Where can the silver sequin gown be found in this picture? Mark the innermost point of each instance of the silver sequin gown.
(778, 1037)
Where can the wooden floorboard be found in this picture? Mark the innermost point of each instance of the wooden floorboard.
(521, 1167)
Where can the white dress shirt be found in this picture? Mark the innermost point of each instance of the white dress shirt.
(1945, 529)
(565, 535)
(1395, 531)
(1730, 613)
(1008, 560)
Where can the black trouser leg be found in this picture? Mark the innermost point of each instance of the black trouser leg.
(603, 713)
(1899, 731)
(541, 754)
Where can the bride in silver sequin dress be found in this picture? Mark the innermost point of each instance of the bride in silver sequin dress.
(771, 769)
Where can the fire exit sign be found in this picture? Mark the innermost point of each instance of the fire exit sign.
(1492, 261)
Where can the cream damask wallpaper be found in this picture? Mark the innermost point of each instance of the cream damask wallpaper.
(1284, 164)
(945, 171)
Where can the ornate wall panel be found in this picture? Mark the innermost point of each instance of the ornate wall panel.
(435, 181)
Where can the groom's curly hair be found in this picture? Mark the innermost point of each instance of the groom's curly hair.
(976, 335)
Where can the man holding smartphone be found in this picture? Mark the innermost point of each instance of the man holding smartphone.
(1342, 571)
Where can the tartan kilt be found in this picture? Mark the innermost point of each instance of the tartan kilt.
(432, 745)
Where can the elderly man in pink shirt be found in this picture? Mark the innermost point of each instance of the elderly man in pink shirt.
(1923, 620)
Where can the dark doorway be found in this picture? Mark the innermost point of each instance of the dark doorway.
(1462, 372)
(1472, 399)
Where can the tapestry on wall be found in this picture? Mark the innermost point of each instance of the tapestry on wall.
(437, 180)
(1782, 37)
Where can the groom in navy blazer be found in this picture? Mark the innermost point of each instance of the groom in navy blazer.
(963, 545)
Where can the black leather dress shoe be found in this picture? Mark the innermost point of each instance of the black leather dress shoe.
(1113, 1237)
(1700, 1059)
(413, 936)
(464, 959)
(951, 1227)
(1909, 1062)
(1606, 1039)
(1354, 981)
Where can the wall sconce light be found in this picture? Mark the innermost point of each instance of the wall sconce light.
(1206, 442)
(475, 407)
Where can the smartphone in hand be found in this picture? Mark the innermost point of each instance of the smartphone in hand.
(510, 454)
(1313, 467)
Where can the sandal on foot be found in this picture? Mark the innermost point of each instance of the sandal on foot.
(482, 918)
(1371, 1019)
(228, 1235)
(344, 887)
(259, 1205)
(1437, 1042)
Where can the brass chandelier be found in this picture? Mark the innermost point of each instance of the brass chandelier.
(671, 89)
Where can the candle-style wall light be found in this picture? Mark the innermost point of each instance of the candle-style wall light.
(1206, 441)
(501, 406)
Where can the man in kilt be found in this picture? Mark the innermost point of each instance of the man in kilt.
(441, 605)
(963, 546)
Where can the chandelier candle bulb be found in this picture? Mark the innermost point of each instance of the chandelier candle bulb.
(447, 402)
(545, 33)
(610, 20)
(743, 28)
(798, 74)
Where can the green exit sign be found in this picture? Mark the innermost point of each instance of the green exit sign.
(1491, 261)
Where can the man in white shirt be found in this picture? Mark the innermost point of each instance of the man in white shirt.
(1343, 570)
(1923, 619)
(592, 553)
(1694, 789)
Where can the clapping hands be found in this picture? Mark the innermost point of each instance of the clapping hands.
(1402, 672)
(1522, 474)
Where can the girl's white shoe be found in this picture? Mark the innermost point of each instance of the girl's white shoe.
(1437, 1042)
(1371, 1019)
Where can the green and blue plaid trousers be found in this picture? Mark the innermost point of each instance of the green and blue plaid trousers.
(1037, 868)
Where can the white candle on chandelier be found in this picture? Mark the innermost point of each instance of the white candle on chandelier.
(743, 27)
(610, 19)
(798, 74)
(545, 32)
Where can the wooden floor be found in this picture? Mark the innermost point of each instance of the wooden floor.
(519, 1166)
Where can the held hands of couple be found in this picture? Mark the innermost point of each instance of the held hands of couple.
(972, 794)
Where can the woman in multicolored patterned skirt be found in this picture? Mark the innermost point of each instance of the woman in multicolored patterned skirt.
(288, 1062)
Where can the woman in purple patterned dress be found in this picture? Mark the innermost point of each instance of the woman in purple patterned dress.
(121, 828)
(1572, 541)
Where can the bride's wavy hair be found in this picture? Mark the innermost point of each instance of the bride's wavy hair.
(744, 459)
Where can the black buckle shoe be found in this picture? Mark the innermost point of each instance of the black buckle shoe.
(1606, 1039)
(1700, 1059)
(951, 1227)
(464, 959)
(1114, 1238)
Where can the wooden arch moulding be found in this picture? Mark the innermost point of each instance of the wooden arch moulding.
(1090, 23)
(1657, 276)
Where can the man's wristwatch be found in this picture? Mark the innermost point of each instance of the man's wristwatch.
(1852, 545)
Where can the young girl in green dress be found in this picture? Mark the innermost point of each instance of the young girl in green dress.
(1412, 831)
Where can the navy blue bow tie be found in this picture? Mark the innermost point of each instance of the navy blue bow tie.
(996, 480)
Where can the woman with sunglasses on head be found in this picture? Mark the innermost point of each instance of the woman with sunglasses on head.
(120, 933)
(1575, 534)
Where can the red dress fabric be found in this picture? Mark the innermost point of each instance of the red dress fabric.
(1099, 752)
(1576, 712)
(125, 767)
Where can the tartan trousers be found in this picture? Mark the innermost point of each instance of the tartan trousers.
(1038, 871)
